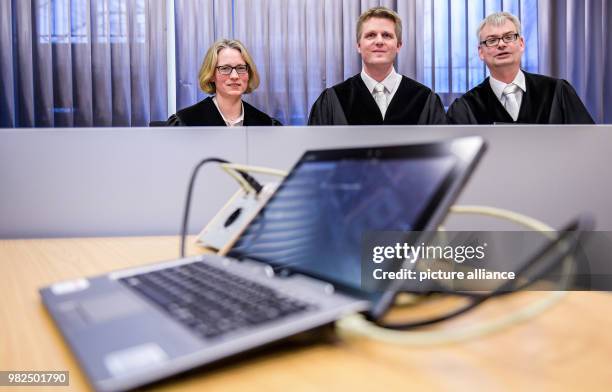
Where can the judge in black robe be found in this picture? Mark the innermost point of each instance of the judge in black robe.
(545, 101)
(350, 103)
(402, 100)
(205, 113)
(228, 72)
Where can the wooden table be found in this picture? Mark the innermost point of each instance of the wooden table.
(568, 347)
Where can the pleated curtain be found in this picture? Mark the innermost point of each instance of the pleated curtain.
(82, 63)
(303, 46)
(576, 45)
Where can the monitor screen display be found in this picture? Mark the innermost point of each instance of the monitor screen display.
(315, 222)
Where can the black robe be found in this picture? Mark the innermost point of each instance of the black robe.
(546, 101)
(350, 103)
(206, 114)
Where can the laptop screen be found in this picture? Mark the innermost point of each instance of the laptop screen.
(315, 221)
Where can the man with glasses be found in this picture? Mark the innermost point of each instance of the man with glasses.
(511, 95)
(378, 95)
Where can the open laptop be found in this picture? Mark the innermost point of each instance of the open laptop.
(294, 268)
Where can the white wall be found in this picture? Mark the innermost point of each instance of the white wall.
(127, 181)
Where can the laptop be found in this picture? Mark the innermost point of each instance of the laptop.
(294, 268)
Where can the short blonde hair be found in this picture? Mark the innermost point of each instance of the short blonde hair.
(380, 12)
(209, 65)
(498, 19)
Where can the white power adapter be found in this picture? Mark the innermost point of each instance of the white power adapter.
(223, 230)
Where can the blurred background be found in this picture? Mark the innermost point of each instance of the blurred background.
(102, 63)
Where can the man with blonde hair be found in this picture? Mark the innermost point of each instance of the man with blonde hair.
(378, 95)
(511, 95)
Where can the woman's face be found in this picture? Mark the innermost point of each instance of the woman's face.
(234, 84)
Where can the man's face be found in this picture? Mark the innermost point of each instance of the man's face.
(504, 54)
(378, 44)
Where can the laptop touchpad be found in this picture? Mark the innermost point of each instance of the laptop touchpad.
(108, 307)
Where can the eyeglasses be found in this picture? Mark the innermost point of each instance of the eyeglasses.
(494, 41)
(227, 69)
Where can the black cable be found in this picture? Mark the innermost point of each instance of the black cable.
(569, 235)
(581, 224)
(252, 181)
(417, 324)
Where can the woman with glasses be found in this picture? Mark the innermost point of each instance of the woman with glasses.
(227, 72)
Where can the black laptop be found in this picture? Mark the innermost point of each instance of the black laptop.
(294, 268)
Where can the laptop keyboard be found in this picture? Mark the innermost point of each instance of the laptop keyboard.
(211, 301)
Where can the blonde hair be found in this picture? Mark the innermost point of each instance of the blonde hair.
(209, 65)
(498, 19)
(381, 12)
